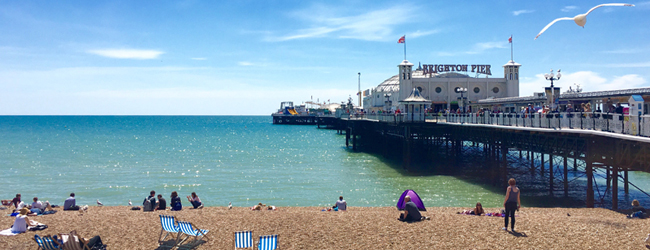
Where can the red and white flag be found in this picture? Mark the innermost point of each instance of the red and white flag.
(402, 39)
(510, 39)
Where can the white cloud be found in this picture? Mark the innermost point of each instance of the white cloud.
(588, 81)
(199, 58)
(419, 33)
(245, 63)
(630, 65)
(127, 53)
(569, 8)
(371, 26)
(519, 12)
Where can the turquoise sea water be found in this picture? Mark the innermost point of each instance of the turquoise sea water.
(238, 159)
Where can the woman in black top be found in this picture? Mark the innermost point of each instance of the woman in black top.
(175, 202)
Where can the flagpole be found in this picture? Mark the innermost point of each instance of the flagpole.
(511, 48)
(404, 47)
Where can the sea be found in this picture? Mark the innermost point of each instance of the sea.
(241, 160)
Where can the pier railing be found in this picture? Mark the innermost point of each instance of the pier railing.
(609, 122)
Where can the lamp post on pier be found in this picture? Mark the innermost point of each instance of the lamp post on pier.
(388, 102)
(461, 90)
(551, 77)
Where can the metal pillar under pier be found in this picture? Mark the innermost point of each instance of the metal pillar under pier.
(550, 172)
(626, 183)
(615, 188)
(566, 177)
(590, 183)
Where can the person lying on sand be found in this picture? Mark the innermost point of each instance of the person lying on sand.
(259, 206)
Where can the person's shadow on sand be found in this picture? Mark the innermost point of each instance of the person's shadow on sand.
(518, 234)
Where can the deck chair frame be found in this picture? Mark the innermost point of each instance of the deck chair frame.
(168, 224)
(47, 243)
(189, 229)
(246, 239)
(72, 241)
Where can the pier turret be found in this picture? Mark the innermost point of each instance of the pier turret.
(405, 81)
(511, 74)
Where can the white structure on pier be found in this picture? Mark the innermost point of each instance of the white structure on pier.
(438, 83)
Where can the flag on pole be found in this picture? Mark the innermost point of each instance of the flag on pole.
(402, 39)
(510, 39)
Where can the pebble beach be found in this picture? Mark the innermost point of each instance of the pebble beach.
(358, 228)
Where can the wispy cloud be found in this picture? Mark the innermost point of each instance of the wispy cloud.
(629, 65)
(199, 58)
(375, 25)
(623, 51)
(244, 63)
(419, 33)
(477, 48)
(519, 12)
(569, 8)
(127, 53)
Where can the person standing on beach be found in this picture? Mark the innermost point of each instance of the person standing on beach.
(341, 204)
(162, 203)
(70, 203)
(512, 203)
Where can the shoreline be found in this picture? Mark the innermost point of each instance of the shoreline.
(358, 228)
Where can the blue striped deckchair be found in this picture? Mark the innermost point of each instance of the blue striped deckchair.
(244, 239)
(188, 229)
(168, 224)
(47, 243)
(268, 242)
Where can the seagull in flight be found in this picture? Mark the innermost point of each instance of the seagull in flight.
(581, 19)
(99, 203)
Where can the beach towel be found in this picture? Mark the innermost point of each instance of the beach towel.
(8, 232)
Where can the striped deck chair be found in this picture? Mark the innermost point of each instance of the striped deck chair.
(47, 243)
(188, 229)
(268, 242)
(72, 241)
(244, 239)
(168, 224)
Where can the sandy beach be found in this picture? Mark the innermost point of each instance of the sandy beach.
(359, 228)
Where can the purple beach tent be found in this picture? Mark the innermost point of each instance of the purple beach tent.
(415, 198)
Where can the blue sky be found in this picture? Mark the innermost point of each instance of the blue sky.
(245, 57)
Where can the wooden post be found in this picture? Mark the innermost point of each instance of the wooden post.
(347, 137)
(608, 178)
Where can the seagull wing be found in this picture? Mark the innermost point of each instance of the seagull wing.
(608, 4)
(549, 25)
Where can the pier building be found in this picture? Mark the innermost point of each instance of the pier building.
(440, 82)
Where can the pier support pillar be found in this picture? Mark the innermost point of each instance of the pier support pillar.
(541, 167)
(550, 172)
(590, 183)
(626, 183)
(531, 156)
(354, 142)
(608, 178)
(566, 177)
(615, 188)
(347, 137)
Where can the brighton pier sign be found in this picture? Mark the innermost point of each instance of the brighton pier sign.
(440, 68)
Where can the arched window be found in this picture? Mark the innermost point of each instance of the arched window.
(404, 76)
(516, 76)
(510, 76)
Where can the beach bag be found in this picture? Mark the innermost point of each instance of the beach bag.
(148, 204)
(637, 214)
(177, 206)
(38, 228)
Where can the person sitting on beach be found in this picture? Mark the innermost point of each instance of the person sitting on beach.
(175, 202)
(161, 204)
(411, 212)
(478, 210)
(21, 222)
(70, 203)
(259, 206)
(341, 204)
(149, 203)
(15, 201)
(638, 211)
(39, 207)
(195, 200)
